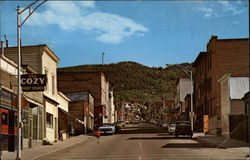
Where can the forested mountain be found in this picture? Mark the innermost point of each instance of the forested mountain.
(135, 82)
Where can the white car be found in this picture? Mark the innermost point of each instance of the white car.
(171, 128)
(107, 128)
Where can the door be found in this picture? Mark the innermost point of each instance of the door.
(30, 132)
(56, 129)
(205, 126)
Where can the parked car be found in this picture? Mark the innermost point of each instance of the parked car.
(107, 128)
(183, 128)
(120, 123)
(118, 126)
(171, 128)
(162, 123)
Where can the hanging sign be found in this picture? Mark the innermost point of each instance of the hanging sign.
(33, 82)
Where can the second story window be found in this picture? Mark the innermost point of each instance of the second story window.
(53, 84)
(49, 120)
(47, 85)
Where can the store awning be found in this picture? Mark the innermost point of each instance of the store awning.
(64, 112)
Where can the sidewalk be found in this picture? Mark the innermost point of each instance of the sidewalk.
(41, 151)
(230, 144)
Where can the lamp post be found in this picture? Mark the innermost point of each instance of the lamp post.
(189, 73)
(19, 89)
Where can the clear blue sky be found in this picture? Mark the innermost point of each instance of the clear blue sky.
(152, 33)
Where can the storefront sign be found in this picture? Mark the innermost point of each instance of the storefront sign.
(33, 82)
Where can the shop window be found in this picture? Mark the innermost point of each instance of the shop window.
(49, 120)
(25, 120)
(4, 118)
(40, 118)
(35, 122)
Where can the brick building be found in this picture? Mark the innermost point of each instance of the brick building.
(222, 56)
(81, 111)
(169, 103)
(95, 82)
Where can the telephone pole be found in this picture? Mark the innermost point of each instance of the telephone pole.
(19, 89)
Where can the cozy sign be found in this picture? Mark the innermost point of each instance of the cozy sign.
(33, 82)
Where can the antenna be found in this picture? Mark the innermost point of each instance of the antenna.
(6, 41)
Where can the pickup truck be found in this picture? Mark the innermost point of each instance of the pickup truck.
(183, 128)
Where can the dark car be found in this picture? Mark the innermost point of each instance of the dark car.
(183, 128)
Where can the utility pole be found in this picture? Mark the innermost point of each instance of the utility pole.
(103, 58)
(19, 89)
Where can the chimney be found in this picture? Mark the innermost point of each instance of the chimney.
(2, 47)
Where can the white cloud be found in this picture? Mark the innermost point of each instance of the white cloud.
(208, 12)
(110, 28)
(221, 7)
(226, 6)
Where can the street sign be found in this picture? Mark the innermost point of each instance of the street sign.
(33, 82)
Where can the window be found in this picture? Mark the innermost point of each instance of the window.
(209, 84)
(53, 84)
(47, 84)
(35, 122)
(4, 118)
(49, 120)
(199, 93)
(209, 62)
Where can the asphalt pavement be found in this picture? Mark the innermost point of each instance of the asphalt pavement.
(145, 142)
(138, 142)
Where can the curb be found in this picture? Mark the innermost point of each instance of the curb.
(57, 150)
(212, 145)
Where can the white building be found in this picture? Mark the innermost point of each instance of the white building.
(111, 107)
(44, 61)
(183, 87)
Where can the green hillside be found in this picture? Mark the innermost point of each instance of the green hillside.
(135, 82)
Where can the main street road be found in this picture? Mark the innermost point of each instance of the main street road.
(142, 142)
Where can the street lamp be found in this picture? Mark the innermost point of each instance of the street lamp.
(19, 89)
(189, 73)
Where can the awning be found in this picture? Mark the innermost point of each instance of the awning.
(32, 101)
(63, 111)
